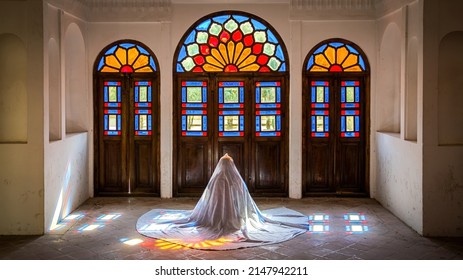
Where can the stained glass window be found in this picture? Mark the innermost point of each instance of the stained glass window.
(112, 95)
(126, 58)
(231, 43)
(350, 109)
(268, 113)
(194, 108)
(231, 113)
(336, 57)
(143, 110)
(320, 114)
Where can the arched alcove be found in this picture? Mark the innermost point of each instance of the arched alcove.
(388, 77)
(54, 91)
(13, 92)
(75, 80)
(411, 94)
(450, 102)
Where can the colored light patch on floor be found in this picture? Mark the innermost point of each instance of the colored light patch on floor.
(354, 217)
(168, 216)
(74, 217)
(319, 217)
(353, 229)
(108, 217)
(131, 242)
(153, 227)
(90, 227)
(319, 228)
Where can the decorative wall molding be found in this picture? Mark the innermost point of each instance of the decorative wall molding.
(332, 9)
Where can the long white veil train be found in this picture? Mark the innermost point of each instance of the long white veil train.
(224, 218)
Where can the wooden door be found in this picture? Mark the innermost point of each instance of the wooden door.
(335, 134)
(126, 135)
(236, 114)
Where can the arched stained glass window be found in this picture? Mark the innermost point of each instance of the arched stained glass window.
(336, 57)
(127, 58)
(231, 43)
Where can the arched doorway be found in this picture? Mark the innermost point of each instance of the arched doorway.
(126, 120)
(335, 119)
(231, 96)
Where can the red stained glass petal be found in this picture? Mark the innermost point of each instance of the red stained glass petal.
(204, 49)
(231, 68)
(264, 69)
(199, 60)
(237, 36)
(198, 69)
(257, 49)
(224, 36)
(126, 69)
(213, 41)
(335, 68)
(262, 59)
(248, 40)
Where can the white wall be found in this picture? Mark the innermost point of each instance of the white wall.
(443, 164)
(21, 163)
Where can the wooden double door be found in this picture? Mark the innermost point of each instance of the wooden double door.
(242, 115)
(335, 155)
(126, 134)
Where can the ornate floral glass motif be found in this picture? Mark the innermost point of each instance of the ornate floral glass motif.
(112, 121)
(336, 57)
(350, 105)
(231, 43)
(126, 58)
(231, 113)
(194, 104)
(320, 114)
(143, 108)
(268, 115)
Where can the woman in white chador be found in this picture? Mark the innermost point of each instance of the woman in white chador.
(225, 212)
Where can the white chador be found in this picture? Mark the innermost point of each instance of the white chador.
(225, 217)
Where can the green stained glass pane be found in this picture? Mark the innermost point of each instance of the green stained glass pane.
(143, 95)
(260, 37)
(215, 29)
(193, 94)
(274, 63)
(349, 123)
(202, 37)
(143, 122)
(267, 95)
(320, 95)
(267, 123)
(188, 63)
(231, 25)
(320, 124)
(112, 122)
(194, 123)
(350, 94)
(269, 49)
(246, 28)
(230, 95)
(231, 123)
(112, 94)
(193, 49)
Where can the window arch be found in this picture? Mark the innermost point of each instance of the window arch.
(231, 42)
(335, 118)
(126, 120)
(231, 96)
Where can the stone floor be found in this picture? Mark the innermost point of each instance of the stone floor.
(374, 233)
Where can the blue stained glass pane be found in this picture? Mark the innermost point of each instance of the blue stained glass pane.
(220, 123)
(313, 123)
(319, 83)
(142, 50)
(220, 94)
(127, 45)
(194, 112)
(106, 122)
(357, 94)
(241, 94)
(105, 90)
(343, 123)
(268, 105)
(143, 111)
(264, 113)
(194, 84)
(278, 94)
(194, 133)
(327, 94)
(257, 25)
(112, 105)
(204, 94)
(143, 133)
(279, 53)
(136, 93)
(336, 44)
(350, 112)
(136, 122)
(257, 123)
(112, 132)
(343, 94)
(268, 84)
(350, 83)
(357, 123)
(320, 134)
(349, 105)
(112, 83)
(101, 64)
(349, 134)
(271, 37)
(183, 123)
(362, 63)
(221, 19)
(181, 54)
(204, 26)
(268, 134)
(119, 123)
(241, 123)
(278, 123)
(152, 64)
(143, 83)
(113, 111)
(240, 19)
(111, 50)
(318, 105)
(352, 49)
(232, 133)
(194, 105)
(180, 68)
(320, 49)
(282, 67)
(319, 113)
(190, 39)
(183, 94)
(310, 63)
(231, 84)
(149, 122)
(231, 106)
(327, 126)
(231, 113)
(119, 94)
(204, 123)
(313, 95)
(257, 95)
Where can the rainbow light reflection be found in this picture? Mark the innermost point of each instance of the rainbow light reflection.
(319, 223)
(355, 223)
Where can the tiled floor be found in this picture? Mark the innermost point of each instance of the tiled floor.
(374, 234)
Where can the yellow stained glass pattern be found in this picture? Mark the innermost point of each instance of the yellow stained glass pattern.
(336, 57)
(126, 57)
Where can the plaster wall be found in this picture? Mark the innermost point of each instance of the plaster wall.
(21, 163)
